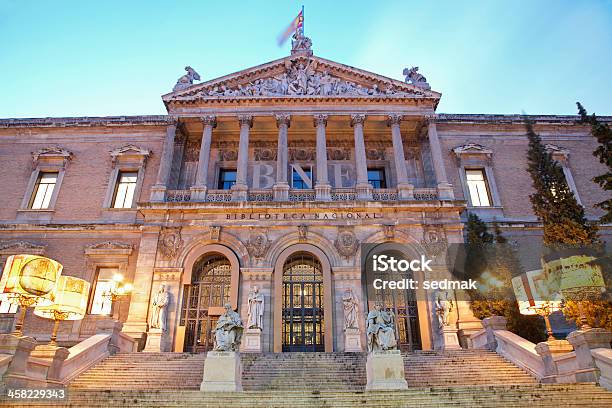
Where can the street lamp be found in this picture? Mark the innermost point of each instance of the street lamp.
(70, 303)
(535, 297)
(27, 281)
(118, 291)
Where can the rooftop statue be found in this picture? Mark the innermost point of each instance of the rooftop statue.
(300, 42)
(186, 80)
(228, 331)
(381, 329)
(415, 78)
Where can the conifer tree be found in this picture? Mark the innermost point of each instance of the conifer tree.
(603, 134)
(492, 255)
(553, 202)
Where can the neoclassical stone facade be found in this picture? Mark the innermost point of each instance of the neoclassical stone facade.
(270, 177)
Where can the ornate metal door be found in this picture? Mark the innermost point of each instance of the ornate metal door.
(303, 325)
(210, 288)
(403, 304)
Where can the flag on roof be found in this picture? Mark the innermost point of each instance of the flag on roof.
(296, 24)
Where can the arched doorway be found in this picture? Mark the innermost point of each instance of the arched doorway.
(302, 314)
(312, 263)
(402, 302)
(203, 300)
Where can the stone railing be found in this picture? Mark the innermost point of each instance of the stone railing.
(219, 196)
(178, 196)
(302, 195)
(25, 363)
(384, 194)
(425, 194)
(295, 195)
(551, 361)
(261, 195)
(343, 194)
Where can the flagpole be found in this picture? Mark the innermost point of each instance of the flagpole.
(303, 20)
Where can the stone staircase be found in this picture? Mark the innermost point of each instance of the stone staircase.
(463, 378)
(536, 395)
(144, 371)
(461, 367)
(303, 371)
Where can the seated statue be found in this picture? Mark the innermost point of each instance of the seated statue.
(381, 330)
(228, 330)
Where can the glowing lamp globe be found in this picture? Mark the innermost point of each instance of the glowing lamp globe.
(70, 300)
(29, 280)
(70, 303)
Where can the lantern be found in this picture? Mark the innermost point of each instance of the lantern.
(70, 303)
(29, 280)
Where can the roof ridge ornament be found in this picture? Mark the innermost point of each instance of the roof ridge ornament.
(186, 80)
(415, 78)
(300, 44)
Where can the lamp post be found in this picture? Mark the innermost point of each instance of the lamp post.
(118, 292)
(27, 281)
(70, 303)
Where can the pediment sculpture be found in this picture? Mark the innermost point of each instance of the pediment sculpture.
(186, 80)
(302, 78)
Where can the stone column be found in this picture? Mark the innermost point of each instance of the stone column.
(363, 188)
(136, 324)
(198, 191)
(240, 189)
(322, 186)
(405, 190)
(445, 190)
(281, 187)
(158, 191)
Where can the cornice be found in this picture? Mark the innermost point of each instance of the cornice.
(85, 121)
(513, 119)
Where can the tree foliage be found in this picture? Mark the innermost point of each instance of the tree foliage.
(555, 205)
(603, 134)
(493, 262)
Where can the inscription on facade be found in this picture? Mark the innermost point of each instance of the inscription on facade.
(306, 216)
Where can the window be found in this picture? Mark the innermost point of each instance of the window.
(301, 178)
(7, 307)
(227, 178)
(376, 177)
(478, 188)
(101, 299)
(124, 191)
(43, 191)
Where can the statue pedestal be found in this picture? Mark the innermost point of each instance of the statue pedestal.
(222, 372)
(385, 371)
(352, 340)
(154, 338)
(449, 338)
(251, 341)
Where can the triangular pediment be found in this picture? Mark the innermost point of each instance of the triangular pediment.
(299, 77)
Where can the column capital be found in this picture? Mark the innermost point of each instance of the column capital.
(282, 119)
(245, 120)
(358, 118)
(394, 119)
(430, 118)
(210, 120)
(320, 119)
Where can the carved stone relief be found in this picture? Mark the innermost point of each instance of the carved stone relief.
(258, 243)
(302, 154)
(170, 242)
(265, 154)
(346, 242)
(215, 232)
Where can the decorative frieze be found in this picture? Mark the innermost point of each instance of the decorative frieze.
(109, 248)
(21, 247)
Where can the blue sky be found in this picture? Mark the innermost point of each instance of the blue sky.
(85, 58)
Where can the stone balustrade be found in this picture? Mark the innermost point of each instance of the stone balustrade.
(551, 361)
(295, 195)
